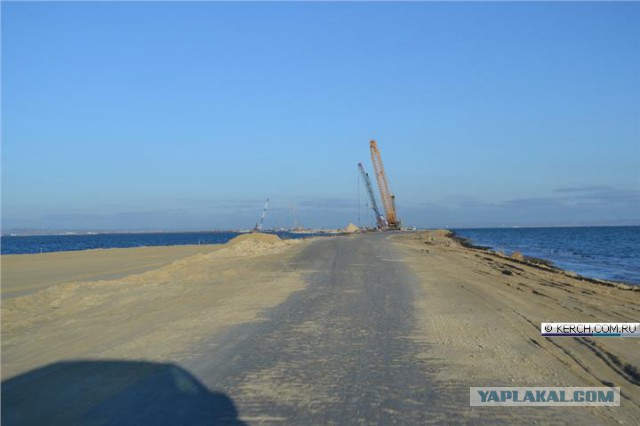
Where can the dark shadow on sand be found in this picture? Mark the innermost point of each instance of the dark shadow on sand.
(113, 393)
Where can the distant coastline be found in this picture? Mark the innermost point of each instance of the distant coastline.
(32, 233)
(46, 233)
(21, 232)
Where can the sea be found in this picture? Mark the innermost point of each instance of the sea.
(30, 244)
(611, 252)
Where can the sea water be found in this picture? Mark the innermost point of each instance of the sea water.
(611, 253)
(53, 243)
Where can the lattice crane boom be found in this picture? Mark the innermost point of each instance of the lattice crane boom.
(381, 221)
(388, 199)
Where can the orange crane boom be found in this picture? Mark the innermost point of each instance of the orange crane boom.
(388, 199)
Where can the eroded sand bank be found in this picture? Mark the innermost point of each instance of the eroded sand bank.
(480, 314)
(154, 315)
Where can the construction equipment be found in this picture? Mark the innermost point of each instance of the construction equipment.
(388, 199)
(258, 227)
(380, 220)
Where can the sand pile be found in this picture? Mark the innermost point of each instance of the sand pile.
(255, 244)
(78, 296)
(351, 228)
(253, 238)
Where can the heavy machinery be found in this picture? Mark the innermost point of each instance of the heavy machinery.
(388, 199)
(258, 227)
(380, 220)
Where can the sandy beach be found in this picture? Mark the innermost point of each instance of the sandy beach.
(449, 316)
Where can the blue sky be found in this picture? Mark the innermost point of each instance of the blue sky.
(187, 115)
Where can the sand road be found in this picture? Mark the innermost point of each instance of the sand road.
(374, 329)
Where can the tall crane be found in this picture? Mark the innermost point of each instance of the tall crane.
(381, 221)
(388, 199)
(258, 227)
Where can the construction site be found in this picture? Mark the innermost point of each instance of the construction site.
(385, 220)
(389, 221)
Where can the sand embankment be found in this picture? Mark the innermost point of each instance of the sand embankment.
(480, 314)
(153, 315)
(24, 274)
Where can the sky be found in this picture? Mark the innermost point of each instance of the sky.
(186, 116)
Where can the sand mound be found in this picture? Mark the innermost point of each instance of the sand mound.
(174, 278)
(255, 244)
(254, 237)
(157, 315)
(351, 228)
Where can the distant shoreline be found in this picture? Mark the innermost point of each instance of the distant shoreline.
(45, 233)
(77, 233)
(234, 231)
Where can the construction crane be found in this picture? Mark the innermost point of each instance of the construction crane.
(380, 220)
(258, 227)
(388, 199)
